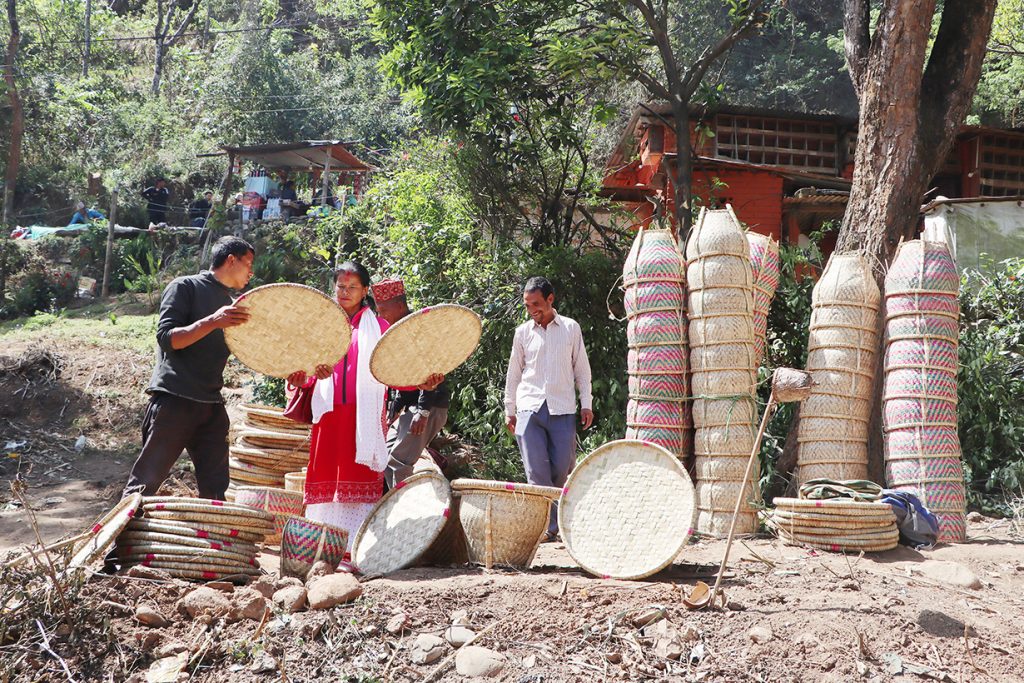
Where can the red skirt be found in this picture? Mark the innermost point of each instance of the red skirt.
(333, 475)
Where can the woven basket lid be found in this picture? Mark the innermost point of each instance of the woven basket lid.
(837, 505)
(626, 510)
(435, 339)
(104, 532)
(403, 524)
(272, 342)
(484, 485)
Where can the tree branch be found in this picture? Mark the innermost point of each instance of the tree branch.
(857, 39)
(695, 73)
(184, 24)
(951, 75)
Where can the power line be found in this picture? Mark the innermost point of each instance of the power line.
(271, 27)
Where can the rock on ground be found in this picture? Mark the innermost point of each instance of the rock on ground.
(148, 615)
(426, 649)
(291, 598)
(335, 589)
(476, 661)
(207, 601)
(952, 573)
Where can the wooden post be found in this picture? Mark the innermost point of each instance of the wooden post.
(326, 179)
(109, 259)
(225, 184)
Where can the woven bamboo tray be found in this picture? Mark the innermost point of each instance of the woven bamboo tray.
(201, 569)
(627, 510)
(182, 553)
(504, 522)
(764, 262)
(138, 537)
(436, 339)
(841, 544)
(295, 481)
(104, 531)
(449, 548)
(215, 532)
(264, 438)
(403, 524)
(275, 341)
(277, 460)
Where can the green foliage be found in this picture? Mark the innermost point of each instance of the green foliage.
(147, 277)
(269, 391)
(37, 285)
(991, 381)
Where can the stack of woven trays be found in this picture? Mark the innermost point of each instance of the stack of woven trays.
(267, 447)
(836, 524)
(195, 538)
(764, 261)
(723, 367)
(841, 355)
(279, 503)
(504, 522)
(922, 448)
(653, 277)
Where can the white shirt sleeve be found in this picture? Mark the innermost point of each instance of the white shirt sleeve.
(516, 362)
(581, 369)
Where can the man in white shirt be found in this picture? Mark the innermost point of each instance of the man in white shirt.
(548, 364)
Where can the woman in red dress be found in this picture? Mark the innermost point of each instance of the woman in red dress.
(348, 454)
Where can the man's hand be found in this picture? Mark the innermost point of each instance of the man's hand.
(510, 424)
(419, 424)
(229, 316)
(433, 381)
(586, 418)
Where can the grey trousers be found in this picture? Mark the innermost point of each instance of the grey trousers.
(405, 448)
(547, 444)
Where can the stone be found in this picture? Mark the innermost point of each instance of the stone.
(426, 649)
(141, 572)
(266, 585)
(613, 657)
(335, 589)
(148, 640)
(457, 636)
(166, 670)
(319, 568)
(952, 573)
(205, 601)
(481, 662)
(397, 623)
(460, 617)
(291, 599)
(808, 640)
(975, 516)
(148, 615)
(529, 661)
(760, 634)
(648, 616)
(250, 604)
(288, 581)
(170, 649)
(222, 586)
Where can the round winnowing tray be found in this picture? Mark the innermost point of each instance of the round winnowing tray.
(435, 339)
(403, 524)
(626, 510)
(276, 340)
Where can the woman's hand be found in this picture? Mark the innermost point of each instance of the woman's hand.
(431, 382)
(297, 379)
(324, 371)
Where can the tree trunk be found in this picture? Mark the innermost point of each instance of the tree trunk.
(17, 115)
(158, 67)
(912, 104)
(87, 38)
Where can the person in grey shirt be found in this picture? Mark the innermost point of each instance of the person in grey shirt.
(186, 410)
(547, 365)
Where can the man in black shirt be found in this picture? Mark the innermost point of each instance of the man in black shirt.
(200, 209)
(186, 409)
(158, 198)
(420, 414)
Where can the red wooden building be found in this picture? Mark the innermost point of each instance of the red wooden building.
(785, 174)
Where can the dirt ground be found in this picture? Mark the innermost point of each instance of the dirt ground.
(793, 614)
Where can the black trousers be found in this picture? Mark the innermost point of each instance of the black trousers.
(173, 424)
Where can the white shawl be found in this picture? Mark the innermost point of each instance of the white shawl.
(371, 449)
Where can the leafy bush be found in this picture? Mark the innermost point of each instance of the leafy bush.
(37, 285)
(991, 381)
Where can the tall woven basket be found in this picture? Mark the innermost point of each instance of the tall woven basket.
(304, 542)
(922, 449)
(654, 278)
(723, 364)
(841, 356)
(764, 261)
